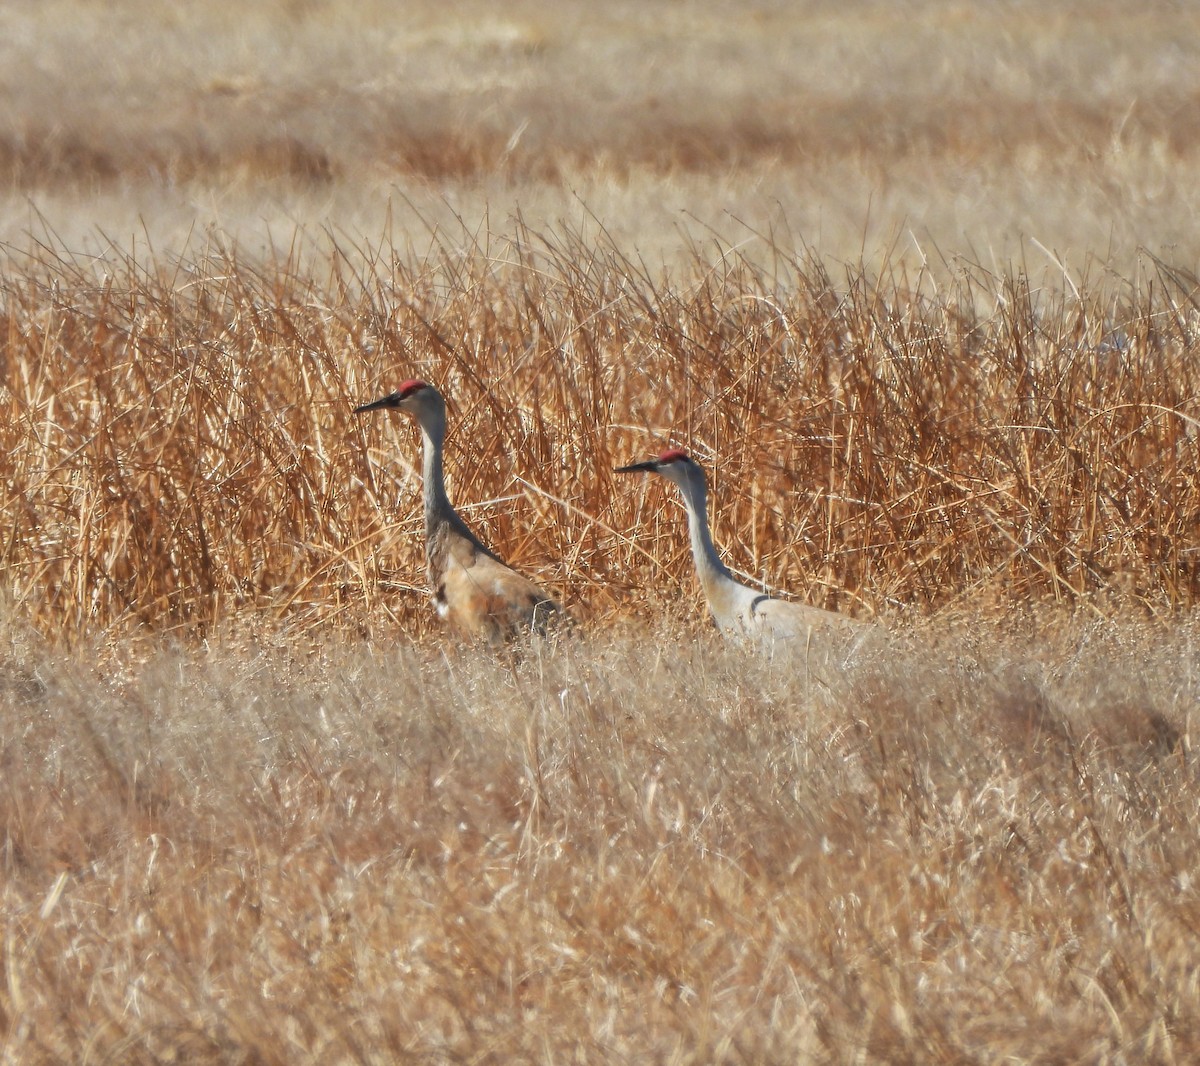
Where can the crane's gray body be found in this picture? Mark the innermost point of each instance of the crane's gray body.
(739, 610)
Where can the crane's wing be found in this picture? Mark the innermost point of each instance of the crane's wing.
(785, 620)
(490, 601)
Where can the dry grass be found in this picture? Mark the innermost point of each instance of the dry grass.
(936, 124)
(285, 843)
(939, 848)
(255, 808)
(179, 443)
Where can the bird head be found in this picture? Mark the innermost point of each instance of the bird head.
(673, 464)
(414, 397)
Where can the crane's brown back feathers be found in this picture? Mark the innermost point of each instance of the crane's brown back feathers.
(478, 593)
(487, 600)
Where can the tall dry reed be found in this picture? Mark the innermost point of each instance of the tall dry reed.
(178, 443)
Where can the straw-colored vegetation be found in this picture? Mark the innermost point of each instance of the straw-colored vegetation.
(256, 807)
(180, 444)
(630, 849)
(969, 129)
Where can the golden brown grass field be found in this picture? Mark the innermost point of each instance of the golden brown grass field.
(915, 282)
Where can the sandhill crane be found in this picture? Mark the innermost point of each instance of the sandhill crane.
(737, 608)
(472, 586)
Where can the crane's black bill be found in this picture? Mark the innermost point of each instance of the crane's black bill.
(391, 400)
(651, 466)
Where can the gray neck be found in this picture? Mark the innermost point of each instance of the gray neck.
(730, 601)
(442, 521)
(712, 572)
(438, 511)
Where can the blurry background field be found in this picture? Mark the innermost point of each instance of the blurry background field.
(916, 282)
(943, 127)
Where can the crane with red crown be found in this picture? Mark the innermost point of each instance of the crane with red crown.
(472, 586)
(738, 609)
